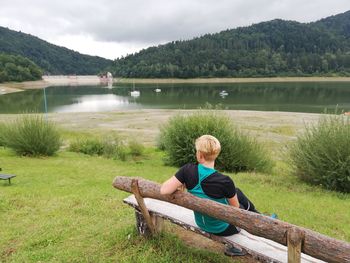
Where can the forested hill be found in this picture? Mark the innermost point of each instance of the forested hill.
(17, 68)
(274, 48)
(51, 58)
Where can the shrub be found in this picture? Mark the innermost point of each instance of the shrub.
(90, 146)
(136, 148)
(239, 152)
(31, 135)
(2, 131)
(121, 152)
(321, 155)
(110, 147)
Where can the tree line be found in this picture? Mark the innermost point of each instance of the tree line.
(18, 68)
(51, 58)
(274, 48)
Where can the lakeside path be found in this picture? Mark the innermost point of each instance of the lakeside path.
(272, 128)
(10, 87)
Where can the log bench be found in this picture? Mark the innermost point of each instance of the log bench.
(269, 240)
(7, 177)
(259, 248)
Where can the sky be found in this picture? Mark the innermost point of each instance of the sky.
(115, 28)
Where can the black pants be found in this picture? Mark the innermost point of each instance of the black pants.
(244, 203)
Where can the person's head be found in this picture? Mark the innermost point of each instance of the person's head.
(207, 147)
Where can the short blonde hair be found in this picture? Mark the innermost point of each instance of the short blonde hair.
(209, 146)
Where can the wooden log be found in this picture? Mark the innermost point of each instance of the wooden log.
(315, 244)
(142, 226)
(136, 191)
(294, 241)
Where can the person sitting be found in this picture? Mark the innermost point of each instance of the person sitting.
(202, 180)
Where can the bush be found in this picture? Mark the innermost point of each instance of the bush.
(90, 146)
(321, 155)
(239, 152)
(31, 135)
(110, 147)
(2, 130)
(136, 148)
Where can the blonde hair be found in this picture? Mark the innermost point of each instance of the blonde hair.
(209, 146)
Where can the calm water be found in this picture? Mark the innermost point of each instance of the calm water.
(294, 97)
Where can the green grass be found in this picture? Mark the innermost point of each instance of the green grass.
(64, 209)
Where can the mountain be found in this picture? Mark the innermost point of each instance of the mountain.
(51, 58)
(273, 48)
(338, 24)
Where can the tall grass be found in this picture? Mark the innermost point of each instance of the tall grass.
(31, 135)
(321, 155)
(239, 151)
(109, 147)
(2, 131)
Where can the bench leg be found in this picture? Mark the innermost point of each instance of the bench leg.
(142, 227)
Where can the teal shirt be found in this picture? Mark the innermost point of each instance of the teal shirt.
(207, 223)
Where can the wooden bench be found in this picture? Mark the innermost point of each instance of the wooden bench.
(260, 248)
(7, 177)
(269, 240)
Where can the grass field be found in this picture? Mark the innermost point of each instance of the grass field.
(64, 208)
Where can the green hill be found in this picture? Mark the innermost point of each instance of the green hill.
(18, 68)
(51, 58)
(274, 48)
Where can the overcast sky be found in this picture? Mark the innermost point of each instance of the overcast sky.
(115, 28)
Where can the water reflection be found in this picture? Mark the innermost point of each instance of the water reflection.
(295, 97)
(95, 103)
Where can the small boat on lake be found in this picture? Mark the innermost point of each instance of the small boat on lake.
(135, 93)
(157, 90)
(223, 93)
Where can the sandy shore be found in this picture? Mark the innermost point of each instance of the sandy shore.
(272, 128)
(10, 87)
(237, 80)
(94, 80)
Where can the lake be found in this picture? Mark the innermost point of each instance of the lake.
(312, 97)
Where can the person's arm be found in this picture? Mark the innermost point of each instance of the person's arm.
(170, 186)
(233, 201)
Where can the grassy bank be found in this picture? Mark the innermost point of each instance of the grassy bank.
(63, 208)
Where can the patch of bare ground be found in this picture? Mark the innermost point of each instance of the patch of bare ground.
(198, 241)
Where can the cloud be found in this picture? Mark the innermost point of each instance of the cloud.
(141, 23)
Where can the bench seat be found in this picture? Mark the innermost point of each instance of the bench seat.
(260, 248)
(7, 177)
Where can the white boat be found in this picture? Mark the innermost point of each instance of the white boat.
(157, 90)
(223, 93)
(135, 93)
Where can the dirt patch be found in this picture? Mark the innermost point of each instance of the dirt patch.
(198, 241)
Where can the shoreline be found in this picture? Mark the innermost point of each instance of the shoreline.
(233, 80)
(271, 127)
(11, 87)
